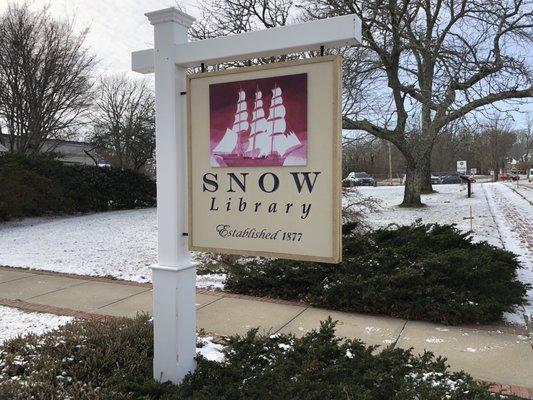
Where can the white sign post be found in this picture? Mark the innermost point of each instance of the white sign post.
(174, 277)
(461, 167)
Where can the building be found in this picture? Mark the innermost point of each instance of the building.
(70, 152)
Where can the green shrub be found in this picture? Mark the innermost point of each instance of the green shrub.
(26, 193)
(40, 185)
(427, 272)
(112, 360)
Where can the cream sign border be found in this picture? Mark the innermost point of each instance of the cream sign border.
(336, 158)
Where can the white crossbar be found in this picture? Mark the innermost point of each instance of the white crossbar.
(332, 32)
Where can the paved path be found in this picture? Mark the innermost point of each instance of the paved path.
(490, 354)
(513, 215)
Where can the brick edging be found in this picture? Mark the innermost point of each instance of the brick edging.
(41, 308)
(520, 391)
(77, 276)
(503, 328)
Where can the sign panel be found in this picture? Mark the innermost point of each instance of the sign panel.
(264, 152)
(461, 167)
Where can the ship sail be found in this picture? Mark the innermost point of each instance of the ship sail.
(228, 144)
(259, 139)
(241, 115)
(284, 143)
(281, 142)
(231, 142)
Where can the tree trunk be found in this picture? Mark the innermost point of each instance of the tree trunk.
(413, 184)
(425, 186)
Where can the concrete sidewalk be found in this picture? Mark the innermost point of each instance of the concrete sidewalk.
(495, 354)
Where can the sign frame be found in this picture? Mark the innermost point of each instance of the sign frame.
(336, 256)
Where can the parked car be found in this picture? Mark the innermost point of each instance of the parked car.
(451, 179)
(509, 177)
(359, 179)
(435, 180)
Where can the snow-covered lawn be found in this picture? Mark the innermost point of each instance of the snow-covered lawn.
(123, 244)
(14, 322)
(449, 204)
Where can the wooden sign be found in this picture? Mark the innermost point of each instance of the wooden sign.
(264, 159)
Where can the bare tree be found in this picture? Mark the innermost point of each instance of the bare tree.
(525, 140)
(495, 139)
(45, 78)
(439, 60)
(427, 63)
(124, 123)
(229, 17)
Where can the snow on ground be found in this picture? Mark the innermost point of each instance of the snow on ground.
(514, 216)
(210, 350)
(211, 281)
(449, 204)
(524, 189)
(14, 322)
(122, 244)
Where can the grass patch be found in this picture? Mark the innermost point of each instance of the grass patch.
(111, 360)
(426, 272)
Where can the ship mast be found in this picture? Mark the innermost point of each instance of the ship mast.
(273, 118)
(239, 120)
(276, 104)
(259, 138)
(255, 120)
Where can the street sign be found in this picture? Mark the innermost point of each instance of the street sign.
(473, 171)
(461, 167)
(174, 276)
(264, 160)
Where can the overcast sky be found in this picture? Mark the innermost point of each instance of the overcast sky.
(118, 27)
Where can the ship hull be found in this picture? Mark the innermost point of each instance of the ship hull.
(272, 160)
(239, 161)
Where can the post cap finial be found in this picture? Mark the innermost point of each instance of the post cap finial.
(171, 14)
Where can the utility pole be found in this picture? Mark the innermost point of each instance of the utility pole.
(390, 164)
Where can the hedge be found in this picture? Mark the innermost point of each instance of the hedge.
(426, 272)
(39, 185)
(112, 360)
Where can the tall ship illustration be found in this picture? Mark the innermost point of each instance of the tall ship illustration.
(258, 140)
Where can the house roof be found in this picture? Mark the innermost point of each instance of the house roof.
(66, 148)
